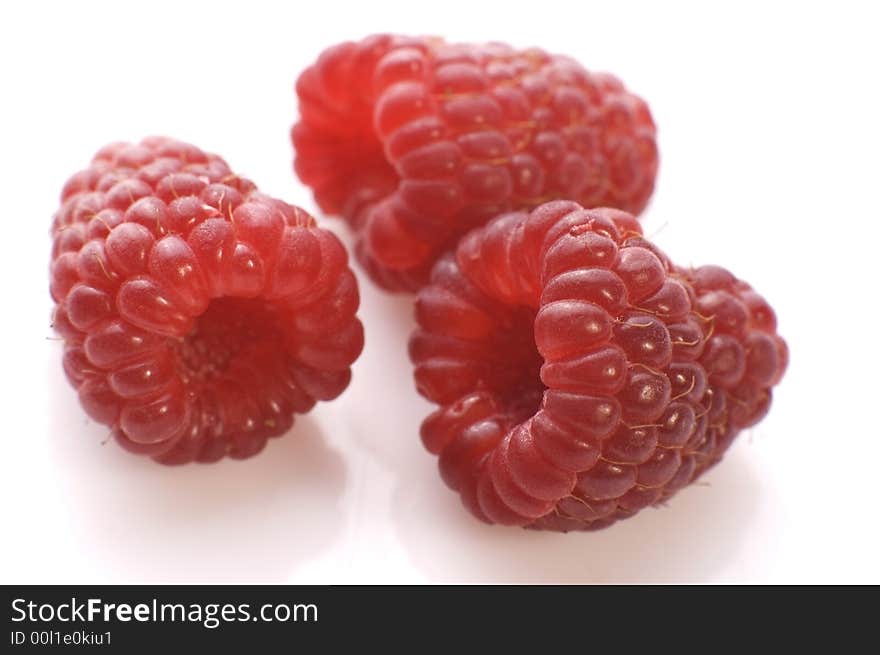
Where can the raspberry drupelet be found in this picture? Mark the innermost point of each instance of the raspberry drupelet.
(198, 314)
(415, 141)
(581, 376)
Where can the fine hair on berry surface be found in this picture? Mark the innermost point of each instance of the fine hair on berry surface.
(581, 375)
(198, 314)
(415, 141)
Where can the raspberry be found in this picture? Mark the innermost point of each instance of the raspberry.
(581, 375)
(198, 314)
(416, 141)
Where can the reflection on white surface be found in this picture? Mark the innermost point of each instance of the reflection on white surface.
(693, 539)
(250, 521)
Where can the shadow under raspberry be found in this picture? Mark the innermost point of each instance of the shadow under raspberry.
(257, 520)
(695, 538)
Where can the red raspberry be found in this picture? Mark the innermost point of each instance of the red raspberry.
(582, 376)
(198, 314)
(416, 141)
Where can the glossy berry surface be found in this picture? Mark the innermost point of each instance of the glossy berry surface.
(198, 315)
(416, 141)
(582, 376)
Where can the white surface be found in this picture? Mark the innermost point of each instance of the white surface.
(769, 147)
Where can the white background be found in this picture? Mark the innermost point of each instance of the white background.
(768, 119)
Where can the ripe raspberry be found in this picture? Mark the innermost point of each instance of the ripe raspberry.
(416, 141)
(582, 376)
(198, 314)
